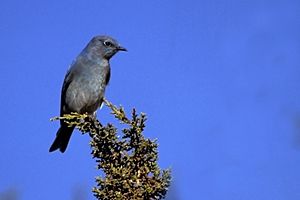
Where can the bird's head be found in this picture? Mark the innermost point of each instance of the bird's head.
(105, 46)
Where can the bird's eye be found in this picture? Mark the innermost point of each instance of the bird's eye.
(108, 43)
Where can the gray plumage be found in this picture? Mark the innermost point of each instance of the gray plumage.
(84, 84)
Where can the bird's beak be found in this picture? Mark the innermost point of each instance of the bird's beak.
(120, 48)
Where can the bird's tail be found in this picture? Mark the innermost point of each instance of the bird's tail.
(63, 136)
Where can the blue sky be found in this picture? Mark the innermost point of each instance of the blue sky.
(219, 80)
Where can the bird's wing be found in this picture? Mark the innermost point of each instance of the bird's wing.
(66, 84)
(74, 94)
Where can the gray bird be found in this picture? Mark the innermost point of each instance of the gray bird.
(84, 84)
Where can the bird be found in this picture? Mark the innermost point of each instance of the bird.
(84, 84)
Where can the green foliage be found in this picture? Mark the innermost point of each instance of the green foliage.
(129, 162)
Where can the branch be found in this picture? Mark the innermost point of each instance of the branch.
(129, 162)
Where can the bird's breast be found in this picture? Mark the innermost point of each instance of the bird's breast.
(87, 88)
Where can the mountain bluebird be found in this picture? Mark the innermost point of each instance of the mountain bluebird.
(84, 84)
